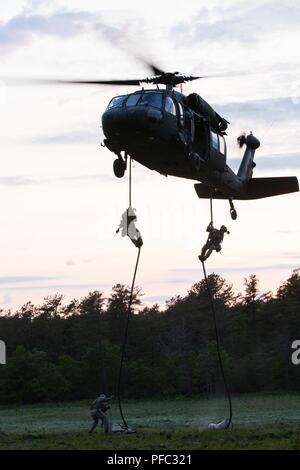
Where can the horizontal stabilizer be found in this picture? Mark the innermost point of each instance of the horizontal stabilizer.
(256, 188)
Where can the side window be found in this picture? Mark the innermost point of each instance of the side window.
(214, 140)
(181, 114)
(117, 102)
(222, 144)
(170, 106)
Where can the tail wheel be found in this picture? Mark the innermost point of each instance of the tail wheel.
(119, 167)
(233, 214)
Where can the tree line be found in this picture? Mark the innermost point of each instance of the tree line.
(59, 351)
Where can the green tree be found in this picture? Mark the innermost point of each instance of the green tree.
(30, 378)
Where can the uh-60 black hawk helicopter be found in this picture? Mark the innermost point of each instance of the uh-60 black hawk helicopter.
(182, 136)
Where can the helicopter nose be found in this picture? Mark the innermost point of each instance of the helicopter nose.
(130, 122)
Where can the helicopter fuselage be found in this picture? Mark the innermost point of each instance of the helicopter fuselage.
(181, 136)
(158, 129)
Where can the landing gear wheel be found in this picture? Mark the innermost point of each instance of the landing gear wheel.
(119, 168)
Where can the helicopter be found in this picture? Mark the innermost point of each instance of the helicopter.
(182, 136)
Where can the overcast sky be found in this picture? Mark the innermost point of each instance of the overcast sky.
(61, 204)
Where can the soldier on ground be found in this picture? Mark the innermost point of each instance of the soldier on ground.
(98, 409)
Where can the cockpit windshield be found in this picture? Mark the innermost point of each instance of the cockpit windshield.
(151, 98)
(146, 98)
(133, 99)
(143, 98)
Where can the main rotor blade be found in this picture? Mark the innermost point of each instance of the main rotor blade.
(100, 82)
(155, 70)
(46, 81)
(224, 74)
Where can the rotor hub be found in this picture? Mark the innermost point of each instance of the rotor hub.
(170, 79)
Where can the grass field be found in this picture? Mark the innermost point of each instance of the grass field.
(260, 422)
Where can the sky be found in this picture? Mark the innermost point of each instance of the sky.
(60, 202)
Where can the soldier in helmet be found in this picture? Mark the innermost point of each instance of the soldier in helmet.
(127, 227)
(214, 241)
(98, 409)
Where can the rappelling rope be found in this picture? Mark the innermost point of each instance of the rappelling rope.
(212, 304)
(129, 183)
(211, 208)
(218, 346)
(125, 341)
(127, 319)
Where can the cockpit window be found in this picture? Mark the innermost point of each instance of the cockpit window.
(170, 105)
(222, 144)
(181, 114)
(117, 102)
(133, 99)
(151, 99)
(148, 98)
(214, 140)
